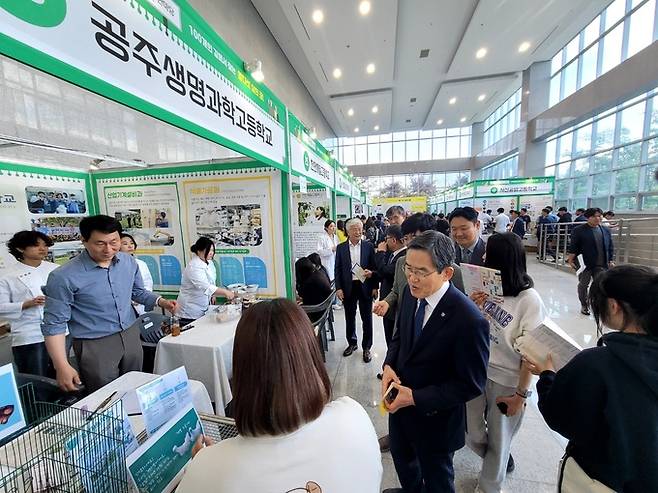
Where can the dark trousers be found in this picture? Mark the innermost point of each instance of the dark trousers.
(103, 360)
(389, 327)
(584, 280)
(33, 359)
(419, 469)
(357, 296)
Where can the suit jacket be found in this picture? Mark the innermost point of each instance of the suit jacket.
(445, 368)
(386, 273)
(343, 268)
(582, 241)
(477, 257)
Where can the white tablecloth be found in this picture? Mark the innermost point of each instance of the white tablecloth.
(206, 352)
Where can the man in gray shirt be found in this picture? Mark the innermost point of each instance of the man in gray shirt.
(92, 295)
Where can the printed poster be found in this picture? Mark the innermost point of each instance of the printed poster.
(11, 410)
(312, 210)
(150, 213)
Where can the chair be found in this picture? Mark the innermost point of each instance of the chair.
(326, 309)
(150, 331)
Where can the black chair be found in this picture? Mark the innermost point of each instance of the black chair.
(44, 389)
(150, 331)
(325, 308)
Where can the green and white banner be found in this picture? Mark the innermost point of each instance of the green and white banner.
(515, 186)
(157, 56)
(307, 156)
(343, 184)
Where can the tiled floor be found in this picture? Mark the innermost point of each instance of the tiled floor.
(536, 448)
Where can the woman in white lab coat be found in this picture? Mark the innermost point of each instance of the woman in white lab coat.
(21, 301)
(129, 245)
(198, 287)
(326, 247)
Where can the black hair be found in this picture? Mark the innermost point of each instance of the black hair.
(304, 267)
(488, 211)
(103, 224)
(546, 210)
(328, 223)
(315, 258)
(467, 213)
(370, 223)
(443, 226)
(418, 222)
(203, 244)
(441, 215)
(581, 210)
(635, 288)
(437, 245)
(550, 208)
(609, 213)
(592, 211)
(562, 209)
(500, 210)
(340, 224)
(524, 209)
(394, 231)
(126, 235)
(395, 209)
(23, 239)
(505, 253)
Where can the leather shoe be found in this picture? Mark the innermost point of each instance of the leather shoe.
(379, 376)
(510, 464)
(585, 311)
(384, 444)
(349, 350)
(367, 357)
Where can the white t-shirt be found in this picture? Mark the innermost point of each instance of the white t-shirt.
(508, 322)
(338, 451)
(502, 221)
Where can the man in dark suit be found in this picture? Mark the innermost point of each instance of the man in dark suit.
(385, 258)
(465, 229)
(594, 243)
(437, 361)
(356, 283)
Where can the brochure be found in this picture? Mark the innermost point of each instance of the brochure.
(158, 465)
(360, 274)
(162, 398)
(12, 418)
(483, 279)
(545, 339)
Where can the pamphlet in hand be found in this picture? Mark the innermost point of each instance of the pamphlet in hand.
(548, 338)
(12, 418)
(358, 271)
(482, 279)
(581, 264)
(158, 465)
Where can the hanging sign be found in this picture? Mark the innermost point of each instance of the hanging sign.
(343, 184)
(159, 57)
(522, 186)
(307, 156)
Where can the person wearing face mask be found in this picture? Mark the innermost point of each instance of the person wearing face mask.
(129, 245)
(326, 247)
(605, 400)
(465, 230)
(198, 286)
(21, 300)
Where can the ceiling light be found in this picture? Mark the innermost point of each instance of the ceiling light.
(481, 53)
(364, 7)
(376, 128)
(482, 97)
(370, 68)
(350, 112)
(356, 130)
(463, 119)
(439, 122)
(375, 109)
(338, 73)
(255, 68)
(318, 16)
(452, 100)
(523, 47)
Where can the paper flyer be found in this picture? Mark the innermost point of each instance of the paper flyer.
(162, 398)
(12, 418)
(548, 338)
(478, 278)
(158, 465)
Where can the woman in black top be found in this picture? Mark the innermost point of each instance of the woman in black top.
(312, 285)
(605, 400)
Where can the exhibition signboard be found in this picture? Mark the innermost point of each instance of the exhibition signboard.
(515, 186)
(410, 204)
(343, 184)
(158, 57)
(307, 157)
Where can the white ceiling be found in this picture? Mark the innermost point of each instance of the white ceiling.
(392, 36)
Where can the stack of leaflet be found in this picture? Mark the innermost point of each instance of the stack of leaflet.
(546, 339)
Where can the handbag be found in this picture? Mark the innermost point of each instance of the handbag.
(572, 478)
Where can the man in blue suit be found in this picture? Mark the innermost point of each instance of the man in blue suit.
(356, 283)
(437, 361)
(465, 229)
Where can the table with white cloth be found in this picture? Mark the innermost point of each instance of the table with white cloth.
(206, 352)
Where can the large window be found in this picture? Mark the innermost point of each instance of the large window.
(609, 161)
(503, 120)
(427, 184)
(624, 28)
(423, 145)
(505, 168)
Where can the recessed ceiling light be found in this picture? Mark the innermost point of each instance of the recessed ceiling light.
(350, 112)
(364, 7)
(439, 122)
(318, 16)
(463, 119)
(356, 130)
(375, 109)
(376, 128)
(370, 68)
(523, 47)
(481, 53)
(452, 100)
(337, 73)
(482, 97)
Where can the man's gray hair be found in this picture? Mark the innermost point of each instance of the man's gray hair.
(353, 222)
(395, 209)
(439, 247)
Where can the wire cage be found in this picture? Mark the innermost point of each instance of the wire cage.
(64, 449)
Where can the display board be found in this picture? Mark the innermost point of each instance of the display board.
(49, 201)
(494, 203)
(240, 210)
(534, 204)
(342, 207)
(410, 204)
(310, 212)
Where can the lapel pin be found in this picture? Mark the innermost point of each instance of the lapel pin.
(443, 314)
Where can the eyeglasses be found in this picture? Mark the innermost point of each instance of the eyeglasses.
(418, 273)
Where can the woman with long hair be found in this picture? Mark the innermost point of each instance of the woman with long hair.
(341, 232)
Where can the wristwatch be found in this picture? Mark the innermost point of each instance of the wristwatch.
(523, 393)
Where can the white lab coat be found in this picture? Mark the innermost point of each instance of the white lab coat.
(197, 288)
(20, 283)
(147, 279)
(324, 249)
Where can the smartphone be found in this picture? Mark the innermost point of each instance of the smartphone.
(503, 407)
(391, 393)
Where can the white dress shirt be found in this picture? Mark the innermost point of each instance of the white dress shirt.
(432, 301)
(502, 221)
(355, 257)
(197, 287)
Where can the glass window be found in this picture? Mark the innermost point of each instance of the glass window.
(373, 154)
(632, 123)
(629, 155)
(411, 135)
(398, 135)
(441, 132)
(348, 155)
(425, 152)
(386, 152)
(373, 139)
(550, 171)
(439, 180)
(438, 148)
(605, 132)
(570, 78)
(602, 203)
(591, 32)
(640, 34)
(562, 188)
(581, 167)
(650, 203)
(626, 180)
(650, 182)
(566, 145)
(452, 148)
(601, 184)
(361, 140)
(588, 63)
(601, 162)
(551, 147)
(556, 62)
(626, 203)
(361, 154)
(453, 131)
(452, 179)
(584, 140)
(580, 186)
(554, 96)
(425, 134)
(386, 138)
(412, 150)
(398, 151)
(572, 49)
(614, 12)
(564, 170)
(653, 119)
(612, 48)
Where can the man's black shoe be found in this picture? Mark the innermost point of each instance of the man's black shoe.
(379, 376)
(384, 444)
(349, 350)
(510, 464)
(367, 357)
(585, 311)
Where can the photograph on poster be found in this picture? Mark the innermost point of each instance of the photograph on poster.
(231, 225)
(61, 253)
(310, 213)
(130, 218)
(41, 200)
(59, 228)
(151, 237)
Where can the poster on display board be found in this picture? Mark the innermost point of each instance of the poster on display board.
(534, 204)
(150, 213)
(311, 210)
(494, 203)
(159, 57)
(342, 207)
(466, 203)
(410, 204)
(51, 204)
(358, 209)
